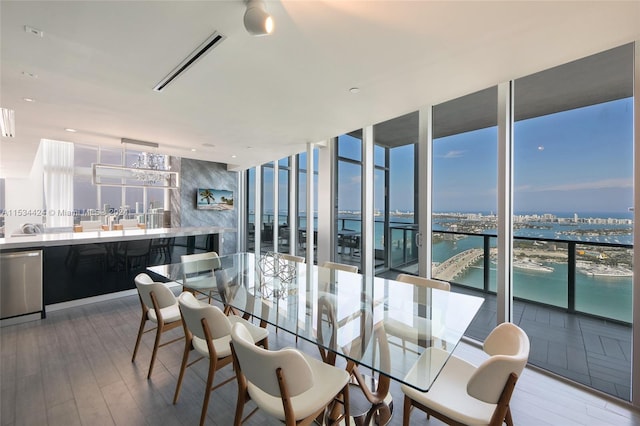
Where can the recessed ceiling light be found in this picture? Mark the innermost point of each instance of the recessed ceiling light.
(354, 90)
(33, 31)
(193, 150)
(233, 156)
(70, 130)
(28, 100)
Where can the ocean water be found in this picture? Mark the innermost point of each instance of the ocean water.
(608, 297)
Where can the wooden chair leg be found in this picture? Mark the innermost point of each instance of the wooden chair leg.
(507, 418)
(207, 392)
(345, 402)
(183, 367)
(237, 421)
(143, 321)
(406, 411)
(156, 344)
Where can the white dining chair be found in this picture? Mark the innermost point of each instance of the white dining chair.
(340, 266)
(289, 385)
(423, 282)
(199, 272)
(465, 394)
(129, 223)
(159, 305)
(421, 329)
(294, 259)
(208, 331)
(369, 338)
(91, 225)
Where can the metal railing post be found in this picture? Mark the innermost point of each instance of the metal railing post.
(571, 278)
(487, 263)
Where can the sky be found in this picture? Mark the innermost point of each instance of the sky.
(574, 161)
(577, 161)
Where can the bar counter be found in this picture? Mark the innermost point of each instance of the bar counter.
(31, 241)
(78, 265)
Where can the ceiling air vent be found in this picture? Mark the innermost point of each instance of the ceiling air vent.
(214, 40)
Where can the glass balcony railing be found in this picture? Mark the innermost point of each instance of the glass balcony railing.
(590, 278)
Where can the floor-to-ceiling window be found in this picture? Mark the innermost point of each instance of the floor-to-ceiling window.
(395, 197)
(381, 212)
(349, 188)
(301, 196)
(284, 219)
(572, 241)
(123, 201)
(251, 217)
(302, 205)
(268, 209)
(465, 197)
(110, 196)
(573, 179)
(85, 194)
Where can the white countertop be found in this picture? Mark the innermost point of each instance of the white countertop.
(90, 237)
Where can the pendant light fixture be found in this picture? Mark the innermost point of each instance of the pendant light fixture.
(257, 20)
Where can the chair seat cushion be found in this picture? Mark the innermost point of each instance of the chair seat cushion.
(448, 394)
(169, 314)
(327, 382)
(257, 333)
(422, 329)
(221, 345)
(200, 282)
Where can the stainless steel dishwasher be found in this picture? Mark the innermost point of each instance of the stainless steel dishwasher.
(20, 283)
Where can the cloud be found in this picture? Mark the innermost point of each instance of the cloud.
(581, 186)
(453, 154)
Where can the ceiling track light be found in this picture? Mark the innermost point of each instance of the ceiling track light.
(213, 41)
(257, 20)
(8, 123)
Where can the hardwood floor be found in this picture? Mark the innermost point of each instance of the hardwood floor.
(74, 368)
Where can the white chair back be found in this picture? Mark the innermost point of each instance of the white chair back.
(340, 267)
(193, 312)
(423, 282)
(259, 365)
(128, 223)
(143, 279)
(201, 262)
(508, 346)
(89, 225)
(292, 258)
(163, 294)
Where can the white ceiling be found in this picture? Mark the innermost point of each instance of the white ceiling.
(262, 98)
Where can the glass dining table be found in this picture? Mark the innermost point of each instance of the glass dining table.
(345, 314)
(373, 323)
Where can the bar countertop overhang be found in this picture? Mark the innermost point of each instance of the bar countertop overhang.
(26, 241)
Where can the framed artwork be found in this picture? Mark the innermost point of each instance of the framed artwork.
(214, 199)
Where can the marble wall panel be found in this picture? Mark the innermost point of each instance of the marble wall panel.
(195, 174)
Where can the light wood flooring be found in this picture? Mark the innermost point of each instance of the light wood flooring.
(74, 368)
